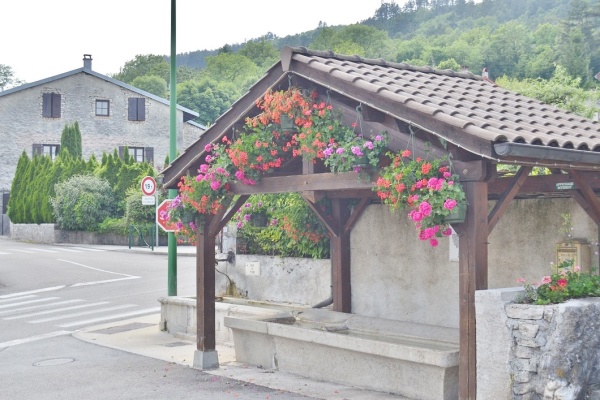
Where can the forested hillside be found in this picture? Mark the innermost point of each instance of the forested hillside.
(525, 44)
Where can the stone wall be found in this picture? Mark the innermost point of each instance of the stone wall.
(537, 352)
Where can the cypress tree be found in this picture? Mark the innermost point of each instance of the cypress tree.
(15, 204)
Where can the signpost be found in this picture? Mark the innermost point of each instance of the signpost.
(148, 186)
(161, 217)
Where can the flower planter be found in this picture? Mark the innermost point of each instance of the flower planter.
(457, 215)
(287, 124)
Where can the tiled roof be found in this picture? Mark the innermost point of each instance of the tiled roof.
(460, 99)
(465, 110)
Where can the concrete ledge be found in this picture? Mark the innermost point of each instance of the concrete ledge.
(327, 345)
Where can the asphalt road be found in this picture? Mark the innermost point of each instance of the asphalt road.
(66, 368)
(48, 292)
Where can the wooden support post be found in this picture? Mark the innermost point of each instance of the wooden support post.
(473, 275)
(340, 258)
(206, 356)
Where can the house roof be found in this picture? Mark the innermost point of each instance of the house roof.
(188, 114)
(459, 112)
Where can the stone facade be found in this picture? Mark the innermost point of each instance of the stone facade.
(530, 352)
(22, 124)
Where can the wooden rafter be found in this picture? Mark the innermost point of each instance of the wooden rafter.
(587, 193)
(222, 221)
(330, 224)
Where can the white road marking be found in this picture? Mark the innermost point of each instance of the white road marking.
(124, 315)
(65, 249)
(17, 298)
(3, 253)
(23, 251)
(56, 310)
(87, 249)
(38, 321)
(48, 289)
(34, 338)
(28, 302)
(43, 250)
(18, 310)
(106, 281)
(97, 269)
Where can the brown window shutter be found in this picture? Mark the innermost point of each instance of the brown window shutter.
(132, 109)
(149, 155)
(37, 149)
(55, 105)
(47, 105)
(141, 109)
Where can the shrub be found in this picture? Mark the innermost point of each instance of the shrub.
(82, 202)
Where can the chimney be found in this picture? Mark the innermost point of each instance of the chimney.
(87, 61)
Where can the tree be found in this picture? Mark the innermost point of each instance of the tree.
(70, 141)
(234, 68)
(17, 191)
(7, 78)
(561, 90)
(151, 84)
(149, 64)
(261, 52)
(208, 97)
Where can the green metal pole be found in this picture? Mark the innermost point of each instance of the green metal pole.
(172, 253)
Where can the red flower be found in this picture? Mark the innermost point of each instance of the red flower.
(562, 282)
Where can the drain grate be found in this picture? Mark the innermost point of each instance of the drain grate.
(123, 328)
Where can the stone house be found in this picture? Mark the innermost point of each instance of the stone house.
(111, 115)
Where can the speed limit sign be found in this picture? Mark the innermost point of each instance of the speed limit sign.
(148, 186)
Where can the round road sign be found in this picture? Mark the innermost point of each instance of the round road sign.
(148, 185)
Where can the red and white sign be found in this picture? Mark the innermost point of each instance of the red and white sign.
(162, 218)
(148, 186)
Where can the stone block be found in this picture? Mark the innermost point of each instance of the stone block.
(522, 376)
(528, 330)
(524, 311)
(548, 314)
(523, 352)
(525, 365)
(522, 388)
(527, 342)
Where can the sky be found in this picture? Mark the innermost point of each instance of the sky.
(42, 38)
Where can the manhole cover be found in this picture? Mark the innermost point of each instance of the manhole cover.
(176, 344)
(53, 361)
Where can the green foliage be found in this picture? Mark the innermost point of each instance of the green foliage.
(70, 141)
(16, 205)
(261, 52)
(561, 90)
(282, 225)
(135, 211)
(152, 84)
(82, 202)
(233, 68)
(7, 78)
(141, 65)
(210, 98)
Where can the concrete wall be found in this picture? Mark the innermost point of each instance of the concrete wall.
(299, 281)
(22, 124)
(396, 276)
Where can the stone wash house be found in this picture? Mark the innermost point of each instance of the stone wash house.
(384, 281)
(110, 113)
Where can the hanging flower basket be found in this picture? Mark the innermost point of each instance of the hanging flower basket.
(457, 215)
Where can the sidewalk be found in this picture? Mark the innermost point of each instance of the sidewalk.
(142, 336)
